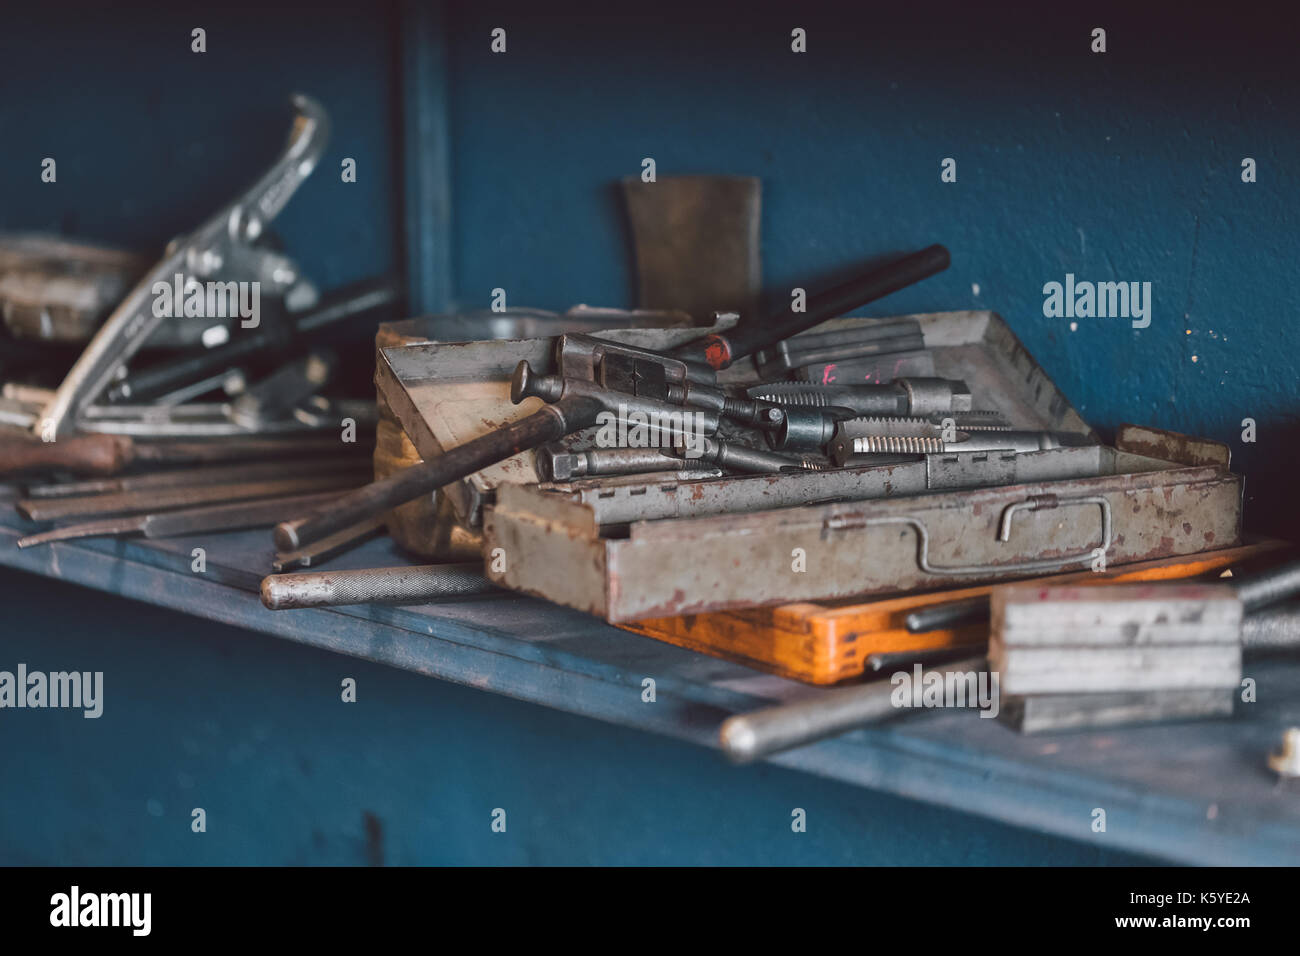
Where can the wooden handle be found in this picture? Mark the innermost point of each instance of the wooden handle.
(560, 418)
(84, 454)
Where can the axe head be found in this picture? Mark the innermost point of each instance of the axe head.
(696, 243)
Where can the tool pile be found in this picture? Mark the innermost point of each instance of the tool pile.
(968, 469)
(597, 378)
(819, 496)
(200, 400)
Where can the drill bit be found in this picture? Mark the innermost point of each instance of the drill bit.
(556, 463)
(850, 440)
(903, 396)
(808, 428)
(737, 457)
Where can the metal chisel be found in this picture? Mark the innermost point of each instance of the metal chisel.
(189, 477)
(166, 524)
(160, 499)
(104, 454)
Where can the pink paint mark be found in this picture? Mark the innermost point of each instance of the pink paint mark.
(828, 375)
(898, 365)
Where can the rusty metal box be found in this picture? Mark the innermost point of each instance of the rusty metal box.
(631, 550)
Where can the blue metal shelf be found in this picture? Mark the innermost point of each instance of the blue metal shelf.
(1196, 793)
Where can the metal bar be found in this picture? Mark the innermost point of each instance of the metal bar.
(837, 353)
(942, 617)
(106, 454)
(873, 331)
(1272, 630)
(1268, 587)
(226, 517)
(427, 202)
(889, 660)
(150, 500)
(237, 449)
(737, 457)
(351, 300)
(556, 463)
(327, 548)
(719, 350)
(201, 422)
(187, 477)
(552, 422)
(748, 737)
(284, 388)
(416, 584)
(230, 381)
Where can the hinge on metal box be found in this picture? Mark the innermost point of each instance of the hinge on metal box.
(852, 522)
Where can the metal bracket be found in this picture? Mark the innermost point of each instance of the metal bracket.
(1033, 503)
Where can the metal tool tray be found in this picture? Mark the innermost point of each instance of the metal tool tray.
(445, 393)
(627, 552)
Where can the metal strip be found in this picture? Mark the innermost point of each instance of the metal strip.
(426, 160)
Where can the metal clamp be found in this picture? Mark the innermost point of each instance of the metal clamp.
(1033, 503)
(223, 247)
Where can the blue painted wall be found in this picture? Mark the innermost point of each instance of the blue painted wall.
(1121, 166)
(151, 139)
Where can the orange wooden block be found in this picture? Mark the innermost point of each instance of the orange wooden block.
(824, 643)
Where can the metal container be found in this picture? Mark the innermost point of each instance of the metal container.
(663, 548)
(430, 526)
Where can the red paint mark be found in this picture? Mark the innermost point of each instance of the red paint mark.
(717, 353)
(828, 375)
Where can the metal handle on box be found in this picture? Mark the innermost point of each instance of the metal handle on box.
(1032, 503)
